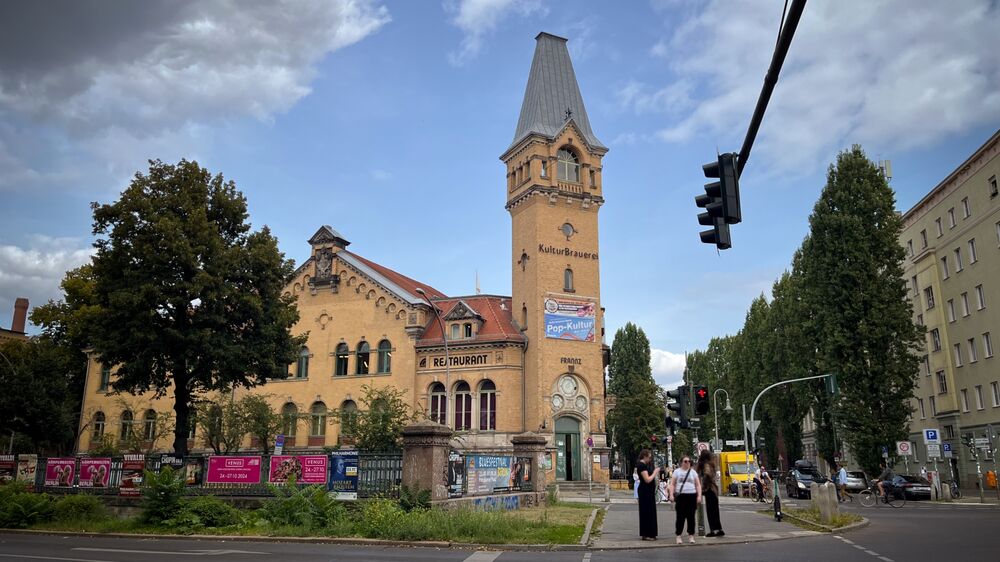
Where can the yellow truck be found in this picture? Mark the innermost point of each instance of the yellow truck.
(736, 472)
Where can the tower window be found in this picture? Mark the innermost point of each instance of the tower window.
(545, 169)
(569, 166)
(568, 280)
(524, 317)
(593, 178)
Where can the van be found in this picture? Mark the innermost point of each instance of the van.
(736, 471)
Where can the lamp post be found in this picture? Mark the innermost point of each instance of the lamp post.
(447, 359)
(715, 408)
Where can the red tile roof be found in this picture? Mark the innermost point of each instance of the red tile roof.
(399, 279)
(498, 322)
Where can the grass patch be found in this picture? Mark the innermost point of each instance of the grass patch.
(813, 521)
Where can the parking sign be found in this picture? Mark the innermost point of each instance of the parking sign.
(946, 448)
(931, 436)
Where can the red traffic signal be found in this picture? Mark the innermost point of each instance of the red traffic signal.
(700, 400)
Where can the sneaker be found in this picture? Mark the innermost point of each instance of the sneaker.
(691, 539)
(720, 533)
(679, 540)
(710, 534)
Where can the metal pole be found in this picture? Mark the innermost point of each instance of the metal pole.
(447, 359)
(746, 452)
(715, 407)
(753, 408)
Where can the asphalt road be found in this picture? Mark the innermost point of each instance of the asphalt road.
(918, 531)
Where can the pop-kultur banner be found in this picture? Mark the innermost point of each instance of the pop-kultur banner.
(8, 469)
(344, 474)
(132, 469)
(488, 473)
(95, 472)
(233, 470)
(59, 472)
(307, 469)
(570, 319)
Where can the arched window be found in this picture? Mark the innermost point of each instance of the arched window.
(569, 166)
(127, 421)
(289, 417)
(568, 280)
(463, 406)
(105, 378)
(318, 418)
(487, 406)
(364, 354)
(149, 425)
(439, 404)
(98, 425)
(342, 353)
(384, 356)
(302, 369)
(524, 317)
(467, 328)
(348, 417)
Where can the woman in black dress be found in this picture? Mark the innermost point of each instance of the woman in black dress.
(647, 495)
(710, 491)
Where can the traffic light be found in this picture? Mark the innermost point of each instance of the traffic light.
(700, 400)
(721, 201)
(680, 406)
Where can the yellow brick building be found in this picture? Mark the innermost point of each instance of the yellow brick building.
(488, 366)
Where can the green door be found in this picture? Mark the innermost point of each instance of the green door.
(568, 449)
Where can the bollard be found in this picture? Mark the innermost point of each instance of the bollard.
(832, 498)
(814, 496)
(607, 493)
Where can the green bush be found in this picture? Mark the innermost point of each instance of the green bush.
(79, 508)
(211, 511)
(309, 507)
(411, 499)
(161, 495)
(380, 518)
(19, 510)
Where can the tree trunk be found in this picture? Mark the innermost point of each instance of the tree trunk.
(182, 409)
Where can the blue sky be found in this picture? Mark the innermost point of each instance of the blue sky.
(385, 120)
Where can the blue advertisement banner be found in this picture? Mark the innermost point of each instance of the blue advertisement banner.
(570, 319)
(344, 475)
(489, 473)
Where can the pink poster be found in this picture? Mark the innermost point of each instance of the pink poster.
(233, 470)
(94, 473)
(306, 469)
(59, 472)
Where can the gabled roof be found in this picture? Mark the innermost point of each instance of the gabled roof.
(327, 234)
(462, 311)
(495, 312)
(552, 97)
(398, 283)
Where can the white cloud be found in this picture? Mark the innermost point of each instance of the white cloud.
(668, 367)
(381, 175)
(871, 72)
(36, 271)
(479, 18)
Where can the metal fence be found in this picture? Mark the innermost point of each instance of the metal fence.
(380, 473)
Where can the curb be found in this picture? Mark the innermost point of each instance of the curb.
(846, 528)
(586, 530)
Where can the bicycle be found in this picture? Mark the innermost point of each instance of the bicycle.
(768, 497)
(871, 496)
(956, 493)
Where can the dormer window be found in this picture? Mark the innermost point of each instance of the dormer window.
(455, 331)
(467, 329)
(569, 166)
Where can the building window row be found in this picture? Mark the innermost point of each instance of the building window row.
(463, 400)
(317, 419)
(362, 358)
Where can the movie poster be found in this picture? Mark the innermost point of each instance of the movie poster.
(95, 472)
(60, 471)
(344, 474)
(570, 319)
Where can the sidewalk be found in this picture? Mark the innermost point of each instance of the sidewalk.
(740, 521)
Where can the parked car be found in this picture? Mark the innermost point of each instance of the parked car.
(913, 487)
(799, 478)
(857, 480)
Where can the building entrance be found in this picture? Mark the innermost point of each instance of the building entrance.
(568, 449)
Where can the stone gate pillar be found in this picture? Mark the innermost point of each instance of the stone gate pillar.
(425, 458)
(532, 445)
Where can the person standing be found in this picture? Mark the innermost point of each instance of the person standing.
(842, 482)
(685, 492)
(635, 483)
(710, 490)
(647, 495)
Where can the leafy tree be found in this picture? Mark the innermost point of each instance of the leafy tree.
(223, 424)
(859, 316)
(188, 299)
(379, 422)
(630, 359)
(261, 421)
(639, 401)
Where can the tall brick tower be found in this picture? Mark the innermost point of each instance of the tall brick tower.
(553, 194)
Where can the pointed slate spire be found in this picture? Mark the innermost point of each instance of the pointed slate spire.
(552, 97)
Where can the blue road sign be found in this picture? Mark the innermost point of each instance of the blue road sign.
(946, 447)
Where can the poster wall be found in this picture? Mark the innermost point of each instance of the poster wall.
(27, 465)
(490, 473)
(132, 467)
(344, 475)
(60, 471)
(307, 469)
(233, 470)
(570, 319)
(456, 474)
(95, 472)
(8, 469)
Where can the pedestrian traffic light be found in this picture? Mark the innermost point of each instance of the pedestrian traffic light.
(680, 395)
(721, 201)
(700, 400)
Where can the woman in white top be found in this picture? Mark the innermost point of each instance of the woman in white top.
(685, 492)
(635, 484)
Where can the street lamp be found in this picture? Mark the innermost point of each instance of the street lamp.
(447, 359)
(715, 408)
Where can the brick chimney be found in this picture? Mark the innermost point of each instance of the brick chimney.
(20, 315)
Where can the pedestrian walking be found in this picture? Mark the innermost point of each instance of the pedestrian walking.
(647, 495)
(710, 491)
(685, 492)
(635, 483)
(842, 483)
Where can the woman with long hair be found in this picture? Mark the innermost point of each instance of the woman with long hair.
(647, 495)
(685, 492)
(710, 490)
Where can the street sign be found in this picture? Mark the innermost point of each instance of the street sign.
(982, 442)
(734, 442)
(279, 443)
(753, 425)
(903, 448)
(931, 436)
(701, 446)
(946, 448)
(933, 451)
(885, 452)
(670, 439)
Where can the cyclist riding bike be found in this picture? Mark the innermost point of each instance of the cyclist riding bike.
(759, 477)
(885, 479)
